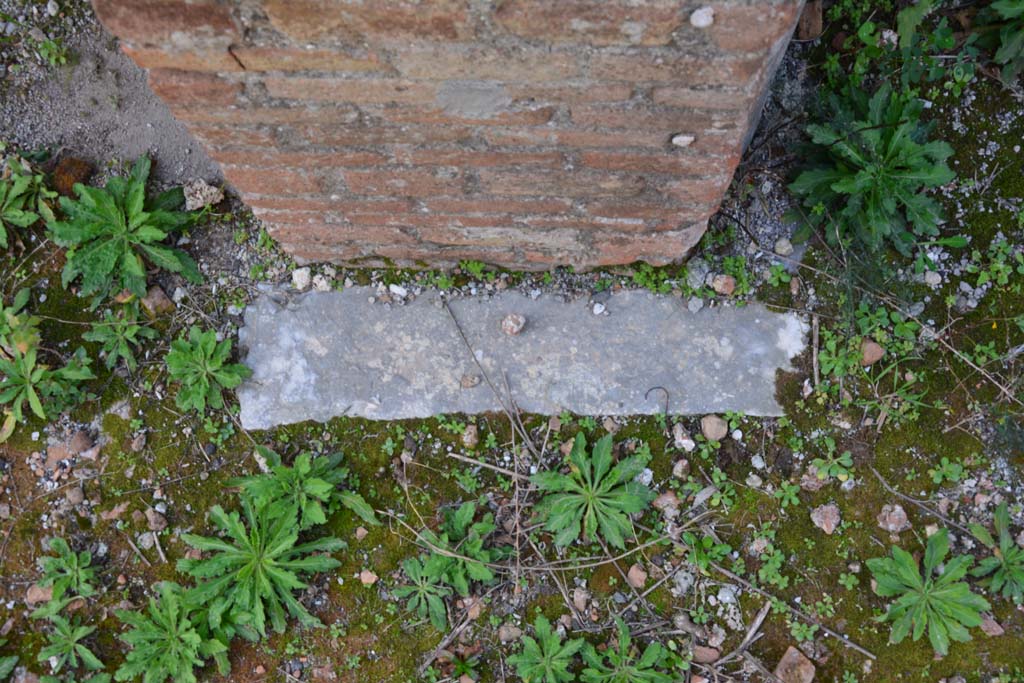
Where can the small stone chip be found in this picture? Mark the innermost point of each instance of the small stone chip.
(512, 324)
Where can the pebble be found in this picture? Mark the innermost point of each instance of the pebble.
(714, 427)
(681, 470)
(681, 438)
(826, 517)
(683, 140)
(724, 284)
(636, 576)
(754, 481)
(694, 304)
(155, 520)
(470, 437)
(794, 667)
(200, 194)
(509, 632)
(321, 283)
(870, 352)
(513, 324)
(52, 8)
(361, 533)
(146, 540)
(37, 594)
(599, 308)
(367, 578)
(932, 279)
(705, 655)
(703, 17)
(398, 290)
(757, 462)
(75, 495)
(301, 278)
(991, 627)
(783, 246)
(893, 518)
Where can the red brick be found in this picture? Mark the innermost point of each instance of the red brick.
(310, 20)
(675, 163)
(592, 22)
(232, 136)
(444, 157)
(154, 22)
(297, 59)
(546, 136)
(272, 159)
(524, 117)
(561, 183)
(248, 116)
(681, 96)
(362, 91)
(498, 205)
(545, 93)
(486, 63)
(698, 190)
(213, 59)
(404, 183)
(688, 69)
(659, 248)
(193, 89)
(753, 28)
(342, 206)
(666, 119)
(363, 135)
(333, 233)
(262, 181)
(501, 236)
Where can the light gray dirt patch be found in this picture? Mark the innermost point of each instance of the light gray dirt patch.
(323, 355)
(98, 107)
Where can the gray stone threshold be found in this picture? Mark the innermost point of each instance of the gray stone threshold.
(327, 354)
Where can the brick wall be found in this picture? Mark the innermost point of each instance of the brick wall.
(522, 133)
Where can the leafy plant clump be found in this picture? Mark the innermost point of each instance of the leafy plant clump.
(120, 333)
(545, 659)
(311, 485)
(46, 390)
(111, 232)
(467, 559)
(68, 571)
(594, 496)
(66, 648)
(625, 664)
(873, 163)
(16, 194)
(166, 641)
(200, 364)
(427, 591)
(942, 605)
(1005, 18)
(256, 566)
(1004, 570)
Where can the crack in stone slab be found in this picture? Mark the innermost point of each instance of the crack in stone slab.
(326, 354)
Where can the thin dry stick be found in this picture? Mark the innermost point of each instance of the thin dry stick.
(487, 378)
(918, 503)
(138, 552)
(765, 594)
(159, 548)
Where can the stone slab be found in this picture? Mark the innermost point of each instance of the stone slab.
(325, 354)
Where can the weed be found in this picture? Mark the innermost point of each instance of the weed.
(944, 606)
(545, 659)
(593, 496)
(874, 161)
(256, 566)
(1004, 570)
(109, 231)
(199, 364)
